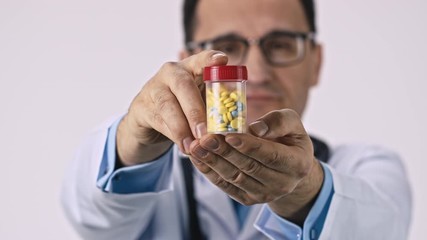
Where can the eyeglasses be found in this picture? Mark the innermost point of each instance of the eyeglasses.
(280, 48)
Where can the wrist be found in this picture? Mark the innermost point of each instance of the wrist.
(296, 206)
(131, 150)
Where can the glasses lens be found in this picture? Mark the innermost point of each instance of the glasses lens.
(234, 48)
(283, 49)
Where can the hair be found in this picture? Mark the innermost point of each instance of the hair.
(189, 10)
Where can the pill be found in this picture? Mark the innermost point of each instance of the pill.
(234, 114)
(230, 104)
(232, 109)
(225, 118)
(234, 96)
(221, 129)
(229, 116)
(234, 123)
(222, 110)
(228, 100)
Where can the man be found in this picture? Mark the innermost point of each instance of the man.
(128, 179)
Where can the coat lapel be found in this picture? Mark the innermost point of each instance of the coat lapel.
(216, 204)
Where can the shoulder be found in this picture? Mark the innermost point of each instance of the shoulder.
(350, 156)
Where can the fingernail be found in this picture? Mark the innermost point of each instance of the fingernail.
(200, 130)
(217, 55)
(187, 142)
(212, 144)
(233, 141)
(195, 160)
(259, 128)
(200, 152)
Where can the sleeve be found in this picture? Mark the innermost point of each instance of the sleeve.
(104, 214)
(276, 227)
(372, 198)
(133, 179)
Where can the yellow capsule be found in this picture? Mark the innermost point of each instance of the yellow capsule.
(223, 98)
(222, 110)
(234, 95)
(228, 100)
(225, 118)
(222, 125)
(232, 108)
(234, 124)
(221, 129)
(224, 93)
(229, 116)
(230, 104)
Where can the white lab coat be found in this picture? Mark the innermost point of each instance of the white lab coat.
(372, 200)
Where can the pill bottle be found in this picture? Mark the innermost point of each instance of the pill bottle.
(225, 98)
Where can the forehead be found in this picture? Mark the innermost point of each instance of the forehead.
(249, 18)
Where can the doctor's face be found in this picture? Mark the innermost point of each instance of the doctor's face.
(270, 87)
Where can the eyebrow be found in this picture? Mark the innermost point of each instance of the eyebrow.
(231, 35)
(234, 36)
(274, 32)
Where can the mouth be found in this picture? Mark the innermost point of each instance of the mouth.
(260, 98)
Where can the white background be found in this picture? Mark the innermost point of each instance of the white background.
(65, 66)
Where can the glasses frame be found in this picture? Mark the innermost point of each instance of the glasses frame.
(301, 38)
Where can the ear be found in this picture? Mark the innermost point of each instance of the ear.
(183, 54)
(317, 61)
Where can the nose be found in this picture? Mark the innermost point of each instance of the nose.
(259, 70)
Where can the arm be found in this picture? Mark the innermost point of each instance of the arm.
(277, 167)
(372, 195)
(276, 227)
(104, 214)
(169, 109)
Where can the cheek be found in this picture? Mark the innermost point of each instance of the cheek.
(294, 84)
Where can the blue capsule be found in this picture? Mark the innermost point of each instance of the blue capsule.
(234, 113)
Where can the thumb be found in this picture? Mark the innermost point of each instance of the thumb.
(276, 124)
(259, 128)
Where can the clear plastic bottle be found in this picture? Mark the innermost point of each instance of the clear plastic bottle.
(225, 98)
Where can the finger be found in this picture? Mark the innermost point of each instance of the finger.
(224, 168)
(239, 164)
(160, 106)
(178, 111)
(278, 124)
(187, 84)
(233, 191)
(195, 63)
(293, 161)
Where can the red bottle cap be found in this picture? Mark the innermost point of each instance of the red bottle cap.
(224, 73)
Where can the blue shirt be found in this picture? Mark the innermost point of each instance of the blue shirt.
(143, 178)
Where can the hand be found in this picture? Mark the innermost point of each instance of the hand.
(168, 109)
(275, 164)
